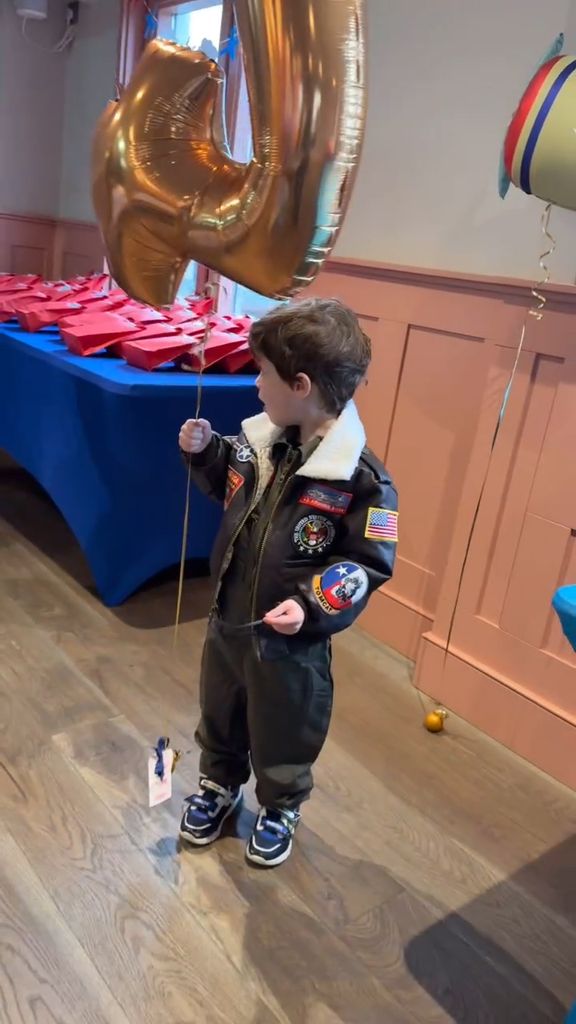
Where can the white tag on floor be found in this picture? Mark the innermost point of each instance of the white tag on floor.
(160, 790)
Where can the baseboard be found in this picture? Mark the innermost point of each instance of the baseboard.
(545, 739)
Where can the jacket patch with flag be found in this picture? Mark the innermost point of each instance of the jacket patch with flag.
(326, 499)
(381, 524)
(340, 586)
(234, 482)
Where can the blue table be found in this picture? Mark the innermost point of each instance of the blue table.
(101, 438)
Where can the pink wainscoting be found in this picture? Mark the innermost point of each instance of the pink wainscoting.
(444, 345)
(53, 248)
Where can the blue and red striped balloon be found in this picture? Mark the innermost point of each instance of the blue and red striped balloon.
(539, 154)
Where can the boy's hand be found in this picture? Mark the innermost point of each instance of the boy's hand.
(195, 436)
(287, 618)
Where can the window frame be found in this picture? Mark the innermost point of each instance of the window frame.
(131, 44)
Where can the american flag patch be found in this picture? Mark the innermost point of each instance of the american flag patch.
(382, 524)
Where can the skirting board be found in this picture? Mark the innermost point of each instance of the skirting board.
(536, 734)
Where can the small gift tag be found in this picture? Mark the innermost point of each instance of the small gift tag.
(160, 786)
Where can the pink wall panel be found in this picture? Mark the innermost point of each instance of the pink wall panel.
(54, 249)
(25, 244)
(444, 346)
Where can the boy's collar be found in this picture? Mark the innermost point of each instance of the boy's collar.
(336, 456)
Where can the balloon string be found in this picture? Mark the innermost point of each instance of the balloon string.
(201, 351)
(537, 311)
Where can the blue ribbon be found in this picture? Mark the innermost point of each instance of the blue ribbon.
(150, 25)
(161, 746)
(230, 47)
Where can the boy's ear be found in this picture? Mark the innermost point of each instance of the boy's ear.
(302, 385)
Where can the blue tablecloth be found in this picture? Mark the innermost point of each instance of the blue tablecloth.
(101, 438)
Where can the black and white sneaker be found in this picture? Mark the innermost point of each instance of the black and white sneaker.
(206, 812)
(271, 840)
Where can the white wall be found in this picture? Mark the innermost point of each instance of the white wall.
(49, 104)
(32, 84)
(90, 84)
(444, 79)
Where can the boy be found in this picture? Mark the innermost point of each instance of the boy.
(309, 531)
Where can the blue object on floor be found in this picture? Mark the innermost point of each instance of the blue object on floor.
(564, 604)
(571, 1018)
(101, 437)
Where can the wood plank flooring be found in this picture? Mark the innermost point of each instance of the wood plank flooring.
(433, 878)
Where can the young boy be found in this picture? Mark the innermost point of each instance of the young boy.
(309, 531)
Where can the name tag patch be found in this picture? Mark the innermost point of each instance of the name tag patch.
(340, 587)
(326, 499)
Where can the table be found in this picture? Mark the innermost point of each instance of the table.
(101, 438)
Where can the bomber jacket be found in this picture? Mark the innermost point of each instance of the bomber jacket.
(329, 538)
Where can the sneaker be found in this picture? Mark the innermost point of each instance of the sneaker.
(206, 812)
(271, 840)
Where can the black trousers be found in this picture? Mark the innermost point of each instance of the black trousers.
(267, 703)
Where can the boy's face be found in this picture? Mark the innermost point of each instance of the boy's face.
(283, 402)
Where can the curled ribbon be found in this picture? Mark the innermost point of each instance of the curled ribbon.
(541, 300)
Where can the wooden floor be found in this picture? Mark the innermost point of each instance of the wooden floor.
(434, 877)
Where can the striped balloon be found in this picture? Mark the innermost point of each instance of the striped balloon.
(539, 154)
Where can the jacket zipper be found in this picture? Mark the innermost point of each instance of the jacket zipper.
(282, 488)
(232, 540)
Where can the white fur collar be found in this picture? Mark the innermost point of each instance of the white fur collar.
(335, 458)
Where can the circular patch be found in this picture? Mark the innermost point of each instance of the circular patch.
(313, 534)
(244, 453)
(340, 586)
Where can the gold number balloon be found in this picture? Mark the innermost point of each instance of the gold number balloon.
(166, 189)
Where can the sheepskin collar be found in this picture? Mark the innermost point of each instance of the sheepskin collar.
(335, 458)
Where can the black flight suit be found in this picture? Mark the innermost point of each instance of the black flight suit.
(326, 541)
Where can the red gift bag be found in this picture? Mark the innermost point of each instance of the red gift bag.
(150, 353)
(94, 332)
(183, 315)
(219, 345)
(12, 305)
(142, 314)
(201, 307)
(240, 359)
(18, 281)
(46, 314)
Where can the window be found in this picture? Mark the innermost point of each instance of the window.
(208, 25)
(197, 24)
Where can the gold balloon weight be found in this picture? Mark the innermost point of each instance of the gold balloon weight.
(166, 189)
(435, 720)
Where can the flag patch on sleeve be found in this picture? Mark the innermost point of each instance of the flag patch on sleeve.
(381, 524)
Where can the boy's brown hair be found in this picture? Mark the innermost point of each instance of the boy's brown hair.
(319, 337)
